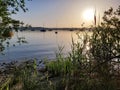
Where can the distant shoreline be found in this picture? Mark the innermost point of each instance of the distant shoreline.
(50, 29)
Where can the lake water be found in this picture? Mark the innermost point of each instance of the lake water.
(40, 45)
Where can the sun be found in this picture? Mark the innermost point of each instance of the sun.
(88, 14)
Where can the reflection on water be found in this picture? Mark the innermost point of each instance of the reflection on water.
(40, 45)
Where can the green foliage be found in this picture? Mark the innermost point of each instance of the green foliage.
(26, 77)
(105, 42)
(60, 67)
(106, 38)
(71, 70)
(105, 46)
(6, 84)
(8, 24)
(7, 8)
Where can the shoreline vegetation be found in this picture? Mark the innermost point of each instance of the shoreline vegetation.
(60, 74)
(93, 64)
(83, 69)
(50, 29)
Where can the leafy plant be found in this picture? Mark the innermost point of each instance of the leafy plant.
(8, 24)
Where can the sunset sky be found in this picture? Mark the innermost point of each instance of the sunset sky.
(62, 13)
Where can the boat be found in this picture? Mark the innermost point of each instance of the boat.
(49, 29)
(32, 30)
(56, 32)
(43, 30)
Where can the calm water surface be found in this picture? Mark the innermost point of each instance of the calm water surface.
(40, 45)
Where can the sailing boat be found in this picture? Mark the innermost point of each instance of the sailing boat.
(56, 32)
(71, 29)
(56, 29)
(43, 29)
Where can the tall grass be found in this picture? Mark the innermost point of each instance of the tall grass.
(79, 71)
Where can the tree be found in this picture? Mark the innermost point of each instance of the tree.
(106, 38)
(8, 24)
(105, 46)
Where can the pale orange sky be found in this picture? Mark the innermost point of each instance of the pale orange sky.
(62, 13)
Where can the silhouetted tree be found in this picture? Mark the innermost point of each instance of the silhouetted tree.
(106, 38)
(8, 24)
(105, 45)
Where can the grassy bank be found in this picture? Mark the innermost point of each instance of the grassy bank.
(62, 74)
(79, 71)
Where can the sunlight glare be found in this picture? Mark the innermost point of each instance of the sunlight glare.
(88, 14)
